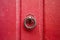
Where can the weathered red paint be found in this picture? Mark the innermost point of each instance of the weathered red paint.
(7, 20)
(35, 8)
(46, 12)
(52, 20)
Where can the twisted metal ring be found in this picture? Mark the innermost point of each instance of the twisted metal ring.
(32, 26)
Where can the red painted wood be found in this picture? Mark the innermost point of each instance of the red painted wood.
(7, 20)
(52, 19)
(35, 8)
(10, 30)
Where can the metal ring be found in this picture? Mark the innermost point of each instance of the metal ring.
(29, 18)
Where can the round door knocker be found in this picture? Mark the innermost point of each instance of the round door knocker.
(29, 22)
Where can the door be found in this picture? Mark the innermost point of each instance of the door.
(52, 19)
(29, 19)
(7, 20)
(34, 8)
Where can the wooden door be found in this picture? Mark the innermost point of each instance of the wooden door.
(14, 12)
(7, 20)
(35, 8)
(52, 19)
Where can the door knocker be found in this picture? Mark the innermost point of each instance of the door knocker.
(30, 22)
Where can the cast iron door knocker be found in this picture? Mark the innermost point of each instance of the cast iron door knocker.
(30, 22)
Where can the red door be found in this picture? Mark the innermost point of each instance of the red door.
(52, 19)
(7, 20)
(35, 8)
(29, 19)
